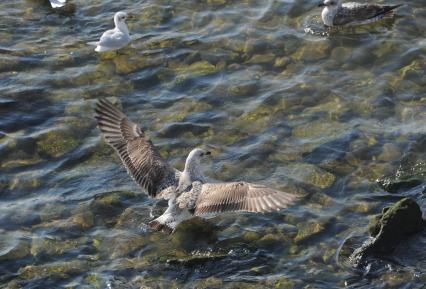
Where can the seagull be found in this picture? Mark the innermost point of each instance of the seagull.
(335, 13)
(115, 38)
(57, 3)
(188, 193)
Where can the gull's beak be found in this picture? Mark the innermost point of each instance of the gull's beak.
(321, 4)
(208, 153)
(130, 16)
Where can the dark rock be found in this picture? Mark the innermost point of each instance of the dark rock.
(389, 228)
(411, 171)
(404, 178)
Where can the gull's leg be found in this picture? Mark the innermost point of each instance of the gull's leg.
(172, 217)
(166, 220)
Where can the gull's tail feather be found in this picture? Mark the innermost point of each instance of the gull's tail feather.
(387, 11)
(93, 43)
(101, 48)
(98, 48)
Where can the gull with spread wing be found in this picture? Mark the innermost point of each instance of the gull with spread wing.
(188, 193)
(336, 13)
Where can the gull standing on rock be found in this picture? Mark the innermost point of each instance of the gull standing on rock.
(335, 13)
(187, 192)
(57, 3)
(115, 38)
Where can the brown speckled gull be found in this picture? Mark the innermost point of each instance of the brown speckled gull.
(336, 13)
(188, 192)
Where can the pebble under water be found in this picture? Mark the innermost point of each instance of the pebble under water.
(319, 114)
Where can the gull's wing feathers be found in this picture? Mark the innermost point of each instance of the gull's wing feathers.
(113, 39)
(240, 196)
(138, 154)
(361, 13)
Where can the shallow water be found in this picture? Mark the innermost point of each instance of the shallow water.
(321, 117)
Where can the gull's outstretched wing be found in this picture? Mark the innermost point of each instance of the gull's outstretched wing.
(138, 154)
(240, 196)
(357, 13)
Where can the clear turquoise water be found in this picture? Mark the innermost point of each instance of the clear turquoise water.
(317, 116)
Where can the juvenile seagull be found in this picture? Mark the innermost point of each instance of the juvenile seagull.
(57, 3)
(115, 38)
(187, 192)
(336, 14)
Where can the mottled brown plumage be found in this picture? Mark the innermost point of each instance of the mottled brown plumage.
(187, 191)
(240, 196)
(138, 154)
(362, 13)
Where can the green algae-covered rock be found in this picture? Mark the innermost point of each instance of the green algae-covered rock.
(244, 88)
(208, 283)
(262, 59)
(405, 177)
(401, 219)
(121, 244)
(390, 152)
(282, 61)
(388, 229)
(282, 282)
(323, 129)
(196, 69)
(196, 258)
(57, 143)
(53, 246)
(13, 247)
(309, 174)
(62, 269)
(131, 263)
(308, 229)
(312, 51)
(132, 218)
(79, 220)
(108, 206)
(194, 233)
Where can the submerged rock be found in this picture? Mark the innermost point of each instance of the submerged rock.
(13, 247)
(389, 228)
(194, 233)
(57, 143)
(309, 229)
(49, 246)
(309, 174)
(196, 69)
(58, 269)
(411, 171)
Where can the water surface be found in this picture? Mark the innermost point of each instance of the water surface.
(321, 117)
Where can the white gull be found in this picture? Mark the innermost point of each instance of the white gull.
(115, 38)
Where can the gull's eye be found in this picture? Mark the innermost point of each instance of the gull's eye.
(332, 3)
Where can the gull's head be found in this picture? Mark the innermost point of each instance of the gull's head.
(196, 155)
(329, 3)
(192, 171)
(120, 17)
